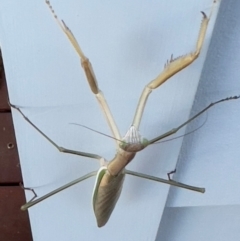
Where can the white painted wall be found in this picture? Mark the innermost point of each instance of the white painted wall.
(210, 156)
(128, 44)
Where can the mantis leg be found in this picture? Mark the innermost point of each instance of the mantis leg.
(87, 67)
(61, 149)
(170, 182)
(29, 189)
(35, 201)
(174, 130)
(173, 66)
(170, 173)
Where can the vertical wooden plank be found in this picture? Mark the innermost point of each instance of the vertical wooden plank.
(3, 88)
(9, 162)
(14, 224)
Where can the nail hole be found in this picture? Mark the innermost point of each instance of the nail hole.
(10, 145)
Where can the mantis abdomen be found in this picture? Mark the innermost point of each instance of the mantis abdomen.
(106, 193)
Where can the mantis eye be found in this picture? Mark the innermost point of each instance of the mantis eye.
(132, 141)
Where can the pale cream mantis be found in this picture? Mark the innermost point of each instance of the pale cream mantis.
(137, 119)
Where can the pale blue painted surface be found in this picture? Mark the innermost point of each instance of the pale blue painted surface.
(210, 156)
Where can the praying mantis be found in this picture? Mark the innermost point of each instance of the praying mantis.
(111, 175)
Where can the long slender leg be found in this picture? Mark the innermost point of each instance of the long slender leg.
(170, 182)
(170, 173)
(87, 67)
(29, 189)
(174, 130)
(61, 149)
(172, 67)
(33, 202)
